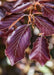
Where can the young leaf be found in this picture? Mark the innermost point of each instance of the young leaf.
(9, 20)
(44, 25)
(40, 51)
(21, 8)
(17, 42)
(48, 12)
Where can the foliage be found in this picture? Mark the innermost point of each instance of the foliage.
(39, 13)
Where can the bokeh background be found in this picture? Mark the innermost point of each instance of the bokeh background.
(26, 66)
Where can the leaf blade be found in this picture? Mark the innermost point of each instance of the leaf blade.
(40, 51)
(21, 8)
(9, 20)
(20, 2)
(48, 12)
(44, 25)
(17, 43)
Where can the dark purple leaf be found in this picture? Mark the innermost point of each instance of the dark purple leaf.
(48, 12)
(10, 21)
(21, 8)
(44, 25)
(40, 51)
(17, 42)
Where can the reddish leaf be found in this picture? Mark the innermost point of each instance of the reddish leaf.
(21, 8)
(44, 25)
(49, 13)
(40, 51)
(17, 42)
(9, 20)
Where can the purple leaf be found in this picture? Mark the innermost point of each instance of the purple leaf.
(6, 32)
(9, 20)
(42, 1)
(21, 8)
(49, 5)
(9, 31)
(44, 25)
(3, 11)
(9, 5)
(20, 2)
(40, 51)
(1, 33)
(48, 12)
(17, 42)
